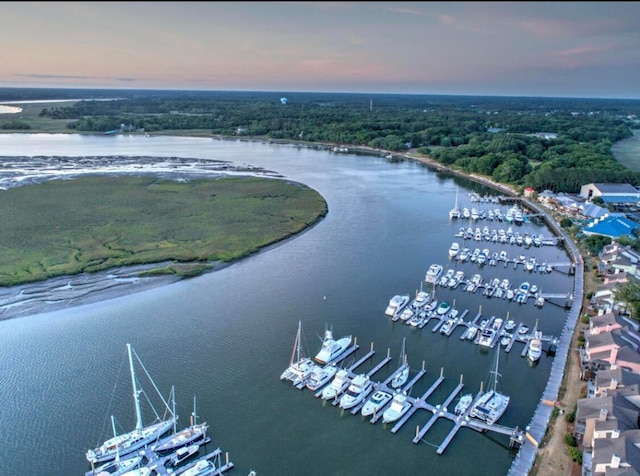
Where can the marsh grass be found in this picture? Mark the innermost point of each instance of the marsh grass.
(66, 227)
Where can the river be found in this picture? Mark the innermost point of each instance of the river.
(225, 337)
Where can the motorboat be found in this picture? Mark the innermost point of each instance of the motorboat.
(183, 454)
(497, 323)
(464, 403)
(471, 332)
(400, 405)
(203, 467)
(332, 349)
(361, 386)
(124, 444)
(300, 366)
(118, 467)
(535, 347)
(492, 404)
(320, 376)
(486, 337)
(454, 249)
(339, 383)
(432, 305)
(443, 308)
(506, 340)
(376, 402)
(396, 304)
(420, 300)
(510, 325)
(446, 327)
(405, 315)
(433, 274)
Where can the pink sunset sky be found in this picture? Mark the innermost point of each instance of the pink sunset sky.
(564, 49)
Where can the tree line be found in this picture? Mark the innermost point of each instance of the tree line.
(553, 144)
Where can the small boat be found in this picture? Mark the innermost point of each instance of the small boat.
(506, 340)
(376, 402)
(118, 467)
(400, 405)
(126, 443)
(300, 366)
(539, 301)
(396, 304)
(183, 454)
(510, 325)
(447, 326)
(320, 376)
(332, 349)
(463, 404)
(454, 249)
(523, 330)
(443, 308)
(471, 333)
(337, 385)
(203, 467)
(361, 386)
(405, 315)
(486, 337)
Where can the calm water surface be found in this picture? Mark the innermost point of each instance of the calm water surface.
(227, 336)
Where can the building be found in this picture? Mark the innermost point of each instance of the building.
(614, 193)
(612, 226)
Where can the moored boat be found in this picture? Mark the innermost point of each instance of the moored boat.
(463, 404)
(433, 274)
(339, 383)
(332, 349)
(492, 404)
(361, 386)
(320, 376)
(535, 347)
(376, 402)
(126, 443)
(396, 304)
(400, 405)
(300, 366)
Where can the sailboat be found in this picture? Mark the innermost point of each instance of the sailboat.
(402, 374)
(126, 443)
(195, 432)
(300, 366)
(455, 211)
(492, 404)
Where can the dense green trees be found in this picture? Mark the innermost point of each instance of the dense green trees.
(545, 143)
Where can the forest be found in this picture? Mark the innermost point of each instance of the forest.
(555, 144)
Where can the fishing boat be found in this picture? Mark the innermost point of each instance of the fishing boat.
(400, 405)
(300, 366)
(360, 388)
(339, 383)
(332, 349)
(492, 404)
(126, 443)
(402, 374)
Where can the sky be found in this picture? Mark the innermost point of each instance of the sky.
(546, 49)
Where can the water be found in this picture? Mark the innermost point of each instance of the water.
(226, 337)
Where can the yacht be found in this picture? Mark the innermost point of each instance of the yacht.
(420, 300)
(332, 349)
(399, 406)
(396, 304)
(433, 274)
(376, 402)
(471, 333)
(337, 385)
(454, 249)
(359, 389)
(320, 376)
(404, 316)
(535, 347)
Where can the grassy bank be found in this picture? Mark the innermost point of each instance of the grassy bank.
(99, 222)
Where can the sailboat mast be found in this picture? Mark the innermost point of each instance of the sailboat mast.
(136, 392)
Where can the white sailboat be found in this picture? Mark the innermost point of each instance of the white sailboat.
(195, 432)
(402, 374)
(126, 443)
(492, 404)
(455, 211)
(300, 366)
